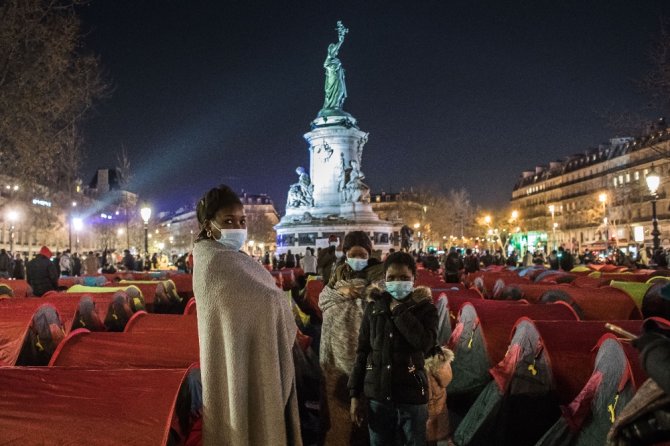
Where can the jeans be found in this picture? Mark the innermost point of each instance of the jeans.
(397, 424)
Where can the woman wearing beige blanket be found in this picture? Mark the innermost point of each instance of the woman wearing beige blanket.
(246, 332)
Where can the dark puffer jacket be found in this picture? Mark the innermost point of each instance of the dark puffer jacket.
(392, 346)
(42, 275)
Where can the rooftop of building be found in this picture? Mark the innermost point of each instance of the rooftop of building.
(615, 147)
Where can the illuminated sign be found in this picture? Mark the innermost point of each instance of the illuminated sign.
(638, 234)
(38, 202)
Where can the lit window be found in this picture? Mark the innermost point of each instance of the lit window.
(627, 178)
(637, 175)
(616, 182)
(621, 179)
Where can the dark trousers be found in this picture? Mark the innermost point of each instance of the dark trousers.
(397, 424)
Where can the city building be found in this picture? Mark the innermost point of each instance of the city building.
(91, 217)
(596, 198)
(400, 209)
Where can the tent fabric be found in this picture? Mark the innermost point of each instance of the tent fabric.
(190, 308)
(532, 292)
(596, 303)
(148, 290)
(443, 322)
(636, 290)
(127, 350)
(654, 303)
(166, 324)
(455, 299)
(589, 282)
(88, 316)
(569, 355)
(102, 303)
(541, 367)
(20, 287)
(588, 418)
(81, 406)
(481, 336)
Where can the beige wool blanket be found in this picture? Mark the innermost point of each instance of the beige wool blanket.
(246, 332)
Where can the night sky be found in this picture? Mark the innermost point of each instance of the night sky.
(453, 93)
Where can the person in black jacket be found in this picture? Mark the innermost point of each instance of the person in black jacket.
(42, 273)
(399, 328)
(19, 270)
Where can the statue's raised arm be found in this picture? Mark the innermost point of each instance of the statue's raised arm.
(335, 88)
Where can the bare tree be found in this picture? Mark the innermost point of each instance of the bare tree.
(47, 84)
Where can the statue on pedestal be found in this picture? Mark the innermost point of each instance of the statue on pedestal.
(357, 190)
(335, 88)
(302, 192)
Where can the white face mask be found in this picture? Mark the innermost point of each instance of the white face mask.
(232, 238)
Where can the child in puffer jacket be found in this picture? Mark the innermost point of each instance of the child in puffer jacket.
(438, 370)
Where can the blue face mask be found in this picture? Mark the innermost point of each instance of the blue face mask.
(232, 238)
(400, 289)
(357, 264)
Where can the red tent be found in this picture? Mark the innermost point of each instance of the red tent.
(457, 298)
(604, 303)
(190, 308)
(481, 336)
(546, 364)
(616, 375)
(17, 316)
(103, 304)
(165, 324)
(20, 287)
(94, 407)
(126, 350)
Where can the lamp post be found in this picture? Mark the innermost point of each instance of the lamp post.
(71, 220)
(653, 181)
(602, 198)
(13, 217)
(78, 224)
(145, 212)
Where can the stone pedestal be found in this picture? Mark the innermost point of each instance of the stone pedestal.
(334, 142)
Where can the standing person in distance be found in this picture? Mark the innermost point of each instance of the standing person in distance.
(42, 273)
(399, 329)
(19, 271)
(246, 331)
(309, 262)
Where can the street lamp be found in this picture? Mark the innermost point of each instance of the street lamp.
(653, 181)
(602, 198)
(515, 215)
(78, 225)
(13, 217)
(145, 212)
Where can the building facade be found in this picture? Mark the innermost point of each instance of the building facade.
(597, 198)
(90, 217)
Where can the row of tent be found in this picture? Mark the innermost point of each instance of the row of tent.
(534, 363)
(110, 373)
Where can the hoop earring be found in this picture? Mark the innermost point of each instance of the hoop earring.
(209, 233)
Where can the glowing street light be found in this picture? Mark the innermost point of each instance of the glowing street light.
(145, 212)
(487, 219)
(13, 217)
(77, 224)
(602, 198)
(653, 181)
(515, 215)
